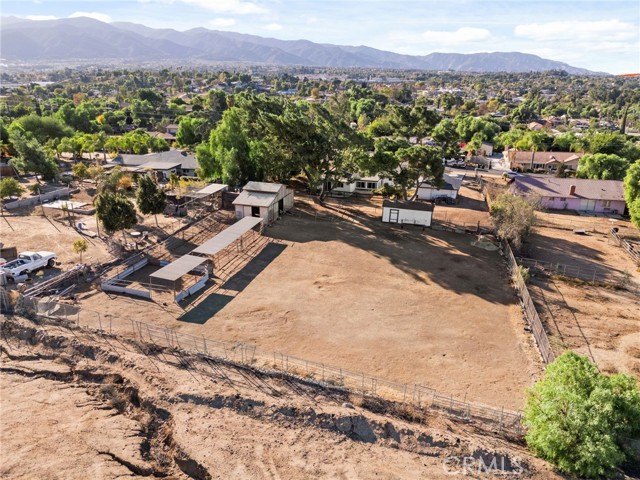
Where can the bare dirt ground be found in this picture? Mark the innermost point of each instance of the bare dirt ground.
(601, 321)
(35, 232)
(102, 407)
(586, 251)
(407, 306)
(470, 210)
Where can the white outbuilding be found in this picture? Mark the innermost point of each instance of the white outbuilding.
(264, 200)
(404, 212)
(449, 188)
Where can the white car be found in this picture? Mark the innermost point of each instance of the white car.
(28, 262)
(511, 174)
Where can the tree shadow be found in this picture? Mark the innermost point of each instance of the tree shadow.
(440, 257)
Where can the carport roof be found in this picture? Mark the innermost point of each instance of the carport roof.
(178, 268)
(227, 236)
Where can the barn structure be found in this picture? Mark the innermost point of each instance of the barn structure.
(264, 200)
(404, 212)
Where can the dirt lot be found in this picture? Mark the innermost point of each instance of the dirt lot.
(588, 252)
(101, 407)
(600, 321)
(407, 306)
(35, 232)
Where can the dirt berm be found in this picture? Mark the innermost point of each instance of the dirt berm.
(78, 405)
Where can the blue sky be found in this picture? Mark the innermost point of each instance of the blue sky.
(598, 35)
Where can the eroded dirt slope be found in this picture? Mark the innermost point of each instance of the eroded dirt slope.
(76, 405)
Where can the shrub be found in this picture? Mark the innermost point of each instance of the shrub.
(10, 187)
(580, 419)
(524, 273)
(513, 218)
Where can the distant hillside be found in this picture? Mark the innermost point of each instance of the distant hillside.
(76, 39)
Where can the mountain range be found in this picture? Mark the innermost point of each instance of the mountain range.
(87, 40)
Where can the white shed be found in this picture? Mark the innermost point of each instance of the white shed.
(451, 183)
(264, 200)
(404, 212)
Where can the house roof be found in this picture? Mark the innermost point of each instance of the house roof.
(560, 187)
(186, 160)
(524, 156)
(155, 165)
(262, 187)
(451, 181)
(255, 199)
(406, 205)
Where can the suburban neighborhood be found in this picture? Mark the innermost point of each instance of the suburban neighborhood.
(216, 265)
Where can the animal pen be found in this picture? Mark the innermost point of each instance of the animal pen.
(185, 275)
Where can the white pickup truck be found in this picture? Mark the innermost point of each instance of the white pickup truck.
(28, 262)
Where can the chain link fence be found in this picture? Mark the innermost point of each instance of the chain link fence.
(419, 396)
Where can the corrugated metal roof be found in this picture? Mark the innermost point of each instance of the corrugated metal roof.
(560, 187)
(255, 199)
(263, 187)
(178, 268)
(227, 236)
(210, 189)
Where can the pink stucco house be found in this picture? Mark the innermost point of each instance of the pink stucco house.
(601, 196)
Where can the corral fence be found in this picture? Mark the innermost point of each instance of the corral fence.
(322, 374)
(528, 307)
(591, 226)
(580, 272)
(626, 246)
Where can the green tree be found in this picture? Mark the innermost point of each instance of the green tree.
(632, 192)
(580, 419)
(10, 187)
(80, 246)
(115, 212)
(229, 146)
(513, 218)
(190, 131)
(602, 166)
(42, 128)
(150, 198)
(33, 158)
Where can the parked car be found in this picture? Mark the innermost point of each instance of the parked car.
(511, 174)
(28, 262)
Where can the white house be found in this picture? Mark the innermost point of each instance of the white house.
(404, 212)
(264, 200)
(451, 183)
(358, 184)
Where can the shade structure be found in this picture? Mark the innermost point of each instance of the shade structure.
(178, 268)
(227, 236)
(209, 190)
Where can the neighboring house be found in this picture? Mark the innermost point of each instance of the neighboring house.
(357, 184)
(550, 161)
(164, 163)
(535, 126)
(171, 129)
(449, 188)
(165, 136)
(404, 212)
(601, 196)
(264, 200)
(486, 149)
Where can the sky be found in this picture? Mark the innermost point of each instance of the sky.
(598, 35)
